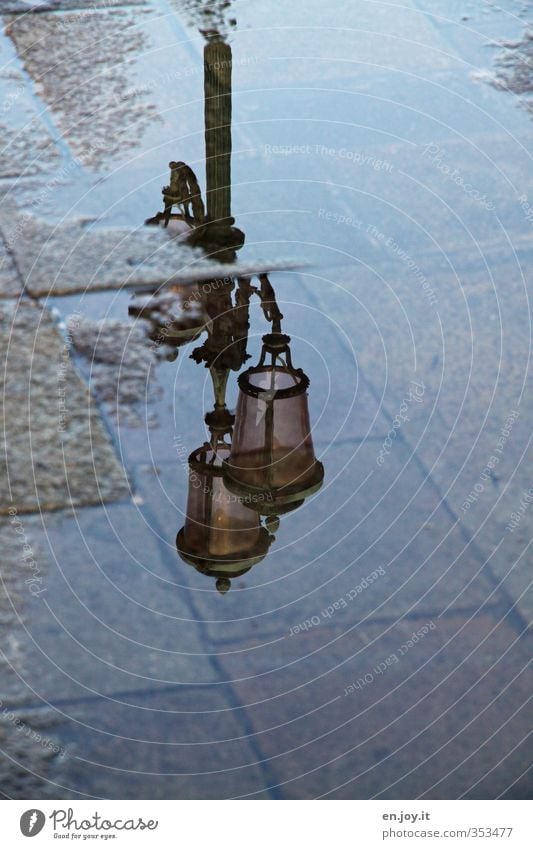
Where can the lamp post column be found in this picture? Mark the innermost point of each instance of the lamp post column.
(217, 89)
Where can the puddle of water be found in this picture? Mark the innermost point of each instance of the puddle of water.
(361, 143)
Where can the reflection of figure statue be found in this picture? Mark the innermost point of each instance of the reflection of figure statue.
(218, 238)
(183, 192)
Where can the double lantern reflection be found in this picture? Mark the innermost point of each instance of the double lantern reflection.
(258, 463)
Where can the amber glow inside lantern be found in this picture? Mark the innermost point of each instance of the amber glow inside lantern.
(222, 536)
(272, 455)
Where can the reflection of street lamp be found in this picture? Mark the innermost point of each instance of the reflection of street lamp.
(272, 455)
(269, 467)
(222, 536)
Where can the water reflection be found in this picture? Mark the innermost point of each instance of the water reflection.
(258, 463)
(223, 535)
(209, 226)
(272, 454)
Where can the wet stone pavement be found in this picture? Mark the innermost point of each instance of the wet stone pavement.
(380, 170)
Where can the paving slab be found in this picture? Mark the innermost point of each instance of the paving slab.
(26, 139)
(10, 284)
(116, 616)
(98, 665)
(28, 757)
(56, 450)
(73, 258)
(26, 149)
(98, 92)
(28, 749)
(188, 744)
(16, 588)
(491, 492)
(385, 714)
(471, 352)
(118, 360)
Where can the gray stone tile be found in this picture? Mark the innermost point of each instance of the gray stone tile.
(26, 149)
(28, 146)
(189, 744)
(28, 748)
(114, 617)
(70, 258)
(472, 357)
(119, 731)
(57, 451)
(10, 284)
(28, 758)
(470, 351)
(73, 258)
(79, 63)
(489, 489)
(446, 714)
(118, 359)
(22, 576)
(392, 201)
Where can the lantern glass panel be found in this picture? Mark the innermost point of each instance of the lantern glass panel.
(272, 445)
(218, 524)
